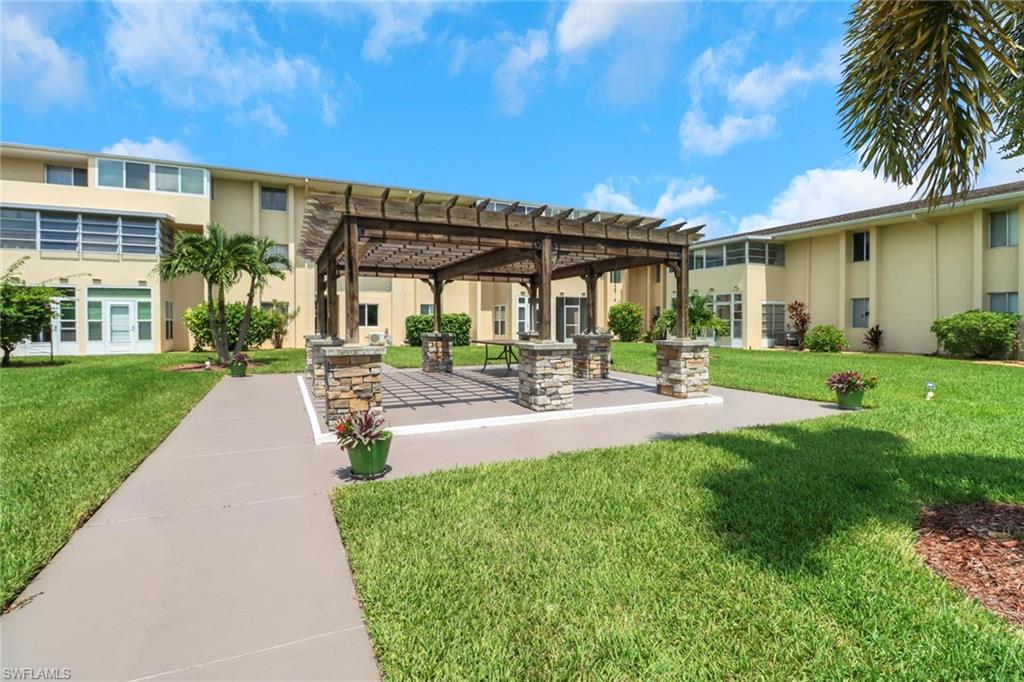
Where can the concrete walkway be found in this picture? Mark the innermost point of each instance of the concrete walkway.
(219, 557)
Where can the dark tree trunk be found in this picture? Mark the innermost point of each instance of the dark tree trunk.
(6, 362)
(215, 334)
(222, 315)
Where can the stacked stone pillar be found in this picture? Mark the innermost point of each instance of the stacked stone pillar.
(315, 343)
(437, 352)
(592, 357)
(352, 375)
(545, 375)
(683, 367)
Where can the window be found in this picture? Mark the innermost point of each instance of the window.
(773, 321)
(168, 320)
(279, 306)
(1006, 302)
(111, 172)
(657, 274)
(94, 310)
(861, 246)
(426, 308)
(524, 316)
(776, 254)
(66, 175)
(615, 276)
(139, 236)
(1003, 229)
(273, 199)
(714, 257)
(279, 250)
(17, 229)
(100, 233)
(134, 175)
(167, 178)
(735, 253)
(144, 313)
(499, 320)
(756, 252)
(729, 307)
(67, 315)
(368, 314)
(58, 231)
(696, 260)
(859, 319)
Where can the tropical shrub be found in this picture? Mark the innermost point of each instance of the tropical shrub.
(626, 320)
(799, 320)
(197, 321)
(361, 428)
(457, 325)
(850, 382)
(824, 338)
(978, 334)
(281, 319)
(873, 338)
(703, 319)
(24, 309)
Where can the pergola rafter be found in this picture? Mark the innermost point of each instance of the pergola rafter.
(442, 238)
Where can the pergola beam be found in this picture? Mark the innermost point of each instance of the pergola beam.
(484, 262)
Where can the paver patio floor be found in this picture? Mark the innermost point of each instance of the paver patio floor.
(219, 557)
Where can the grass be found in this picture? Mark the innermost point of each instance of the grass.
(779, 552)
(71, 432)
(404, 357)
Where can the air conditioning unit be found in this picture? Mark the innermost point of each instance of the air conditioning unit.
(377, 339)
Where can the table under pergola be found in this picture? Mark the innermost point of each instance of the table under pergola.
(438, 238)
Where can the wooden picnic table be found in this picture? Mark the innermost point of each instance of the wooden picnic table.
(508, 352)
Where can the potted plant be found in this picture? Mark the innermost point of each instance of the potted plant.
(238, 365)
(363, 435)
(850, 387)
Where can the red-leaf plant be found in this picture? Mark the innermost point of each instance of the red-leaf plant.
(361, 428)
(850, 382)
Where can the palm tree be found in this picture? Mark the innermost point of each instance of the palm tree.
(927, 86)
(262, 263)
(217, 257)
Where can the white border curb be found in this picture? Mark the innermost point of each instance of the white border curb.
(511, 420)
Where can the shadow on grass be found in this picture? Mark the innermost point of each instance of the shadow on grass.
(20, 363)
(799, 487)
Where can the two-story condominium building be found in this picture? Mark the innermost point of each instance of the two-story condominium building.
(897, 266)
(94, 225)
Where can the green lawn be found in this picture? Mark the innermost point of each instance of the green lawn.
(404, 357)
(71, 432)
(779, 552)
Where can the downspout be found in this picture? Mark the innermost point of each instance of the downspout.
(935, 266)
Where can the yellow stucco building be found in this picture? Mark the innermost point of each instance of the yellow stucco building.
(94, 225)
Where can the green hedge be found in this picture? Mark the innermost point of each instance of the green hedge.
(458, 325)
(626, 320)
(978, 334)
(261, 327)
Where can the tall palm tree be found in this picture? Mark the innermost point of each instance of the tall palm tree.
(262, 263)
(927, 86)
(217, 257)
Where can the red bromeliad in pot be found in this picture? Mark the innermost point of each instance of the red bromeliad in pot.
(367, 441)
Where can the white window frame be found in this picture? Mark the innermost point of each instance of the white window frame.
(500, 320)
(364, 314)
(768, 339)
(168, 320)
(1006, 296)
(524, 314)
(1011, 229)
(152, 177)
(426, 308)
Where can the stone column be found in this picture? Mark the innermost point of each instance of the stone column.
(315, 344)
(352, 377)
(592, 357)
(683, 367)
(545, 375)
(437, 352)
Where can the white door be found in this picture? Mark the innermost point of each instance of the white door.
(121, 333)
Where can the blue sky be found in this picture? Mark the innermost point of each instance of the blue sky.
(722, 113)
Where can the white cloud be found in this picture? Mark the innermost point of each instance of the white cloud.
(153, 148)
(822, 192)
(713, 66)
(264, 115)
(37, 71)
(763, 87)
(518, 71)
(698, 136)
(998, 170)
(638, 35)
(209, 55)
(395, 25)
(679, 196)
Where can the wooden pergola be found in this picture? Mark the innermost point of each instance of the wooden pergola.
(438, 239)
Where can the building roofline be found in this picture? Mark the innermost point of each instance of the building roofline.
(874, 215)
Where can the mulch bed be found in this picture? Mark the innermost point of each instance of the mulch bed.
(978, 548)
